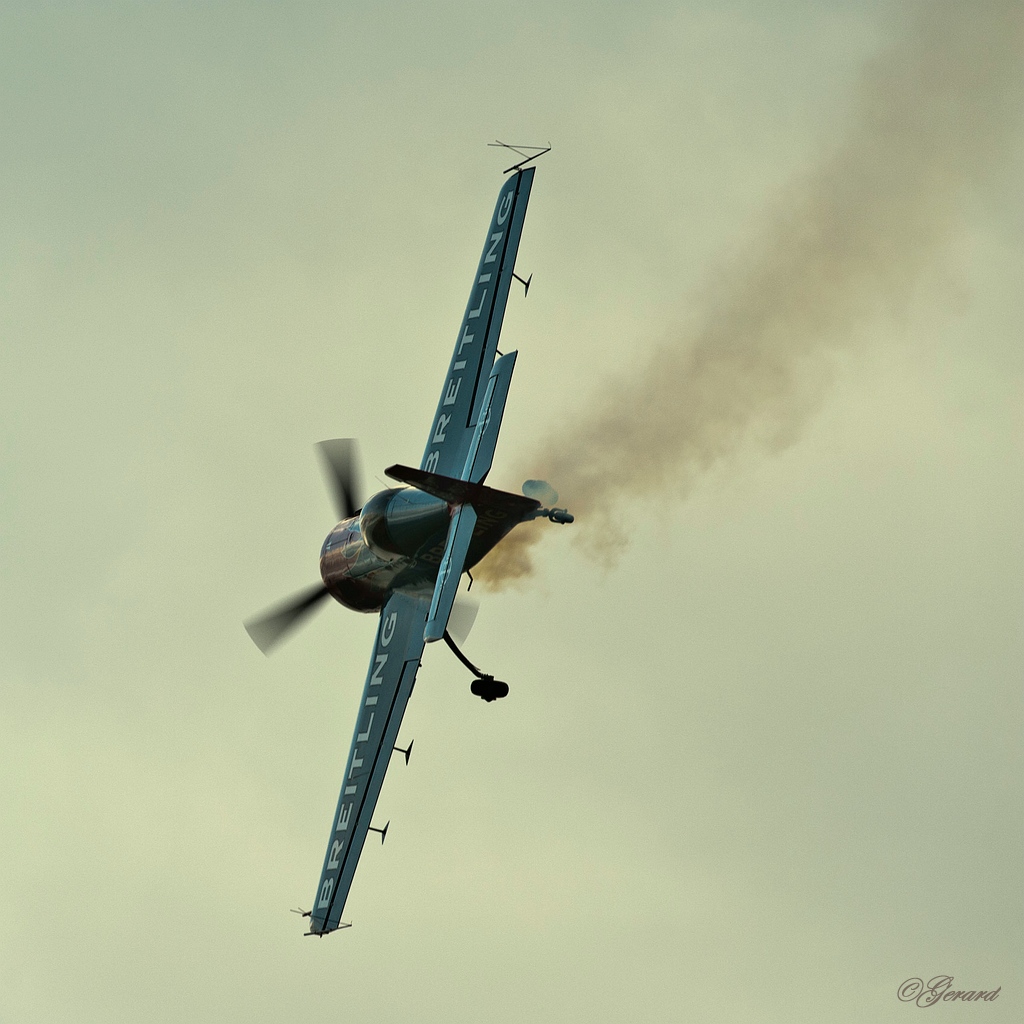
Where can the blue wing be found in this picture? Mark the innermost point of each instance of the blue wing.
(389, 682)
(462, 397)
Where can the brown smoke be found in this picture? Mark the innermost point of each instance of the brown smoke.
(846, 243)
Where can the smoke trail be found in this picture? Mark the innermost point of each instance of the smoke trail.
(846, 243)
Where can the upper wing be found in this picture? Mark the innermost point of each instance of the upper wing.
(463, 392)
(389, 682)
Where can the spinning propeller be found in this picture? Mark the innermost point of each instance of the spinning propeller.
(340, 462)
(270, 628)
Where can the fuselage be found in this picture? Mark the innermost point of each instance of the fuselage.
(396, 542)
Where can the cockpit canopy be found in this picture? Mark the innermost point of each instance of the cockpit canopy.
(401, 522)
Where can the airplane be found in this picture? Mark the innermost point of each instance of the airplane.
(402, 553)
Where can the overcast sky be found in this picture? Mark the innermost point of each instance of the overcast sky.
(762, 757)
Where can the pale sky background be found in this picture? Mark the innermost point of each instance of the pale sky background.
(763, 769)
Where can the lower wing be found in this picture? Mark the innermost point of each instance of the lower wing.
(396, 658)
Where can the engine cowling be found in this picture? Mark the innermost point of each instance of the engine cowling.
(402, 522)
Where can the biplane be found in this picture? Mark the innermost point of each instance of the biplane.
(401, 554)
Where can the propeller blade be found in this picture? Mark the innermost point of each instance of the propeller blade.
(340, 459)
(270, 628)
(540, 490)
(463, 615)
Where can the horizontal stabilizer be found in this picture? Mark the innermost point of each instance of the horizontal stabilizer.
(459, 492)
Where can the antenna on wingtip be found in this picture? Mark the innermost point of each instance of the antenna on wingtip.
(407, 751)
(329, 931)
(538, 151)
(383, 831)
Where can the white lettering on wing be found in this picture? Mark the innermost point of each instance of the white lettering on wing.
(376, 679)
(453, 385)
(489, 256)
(336, 848)
(364, 736)
(474, 313)
(442, 427)
(387, 630)
(453, 391)
(506, 205)
(346, 813)
(325, 893)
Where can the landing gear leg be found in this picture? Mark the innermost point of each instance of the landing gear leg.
(485, 687)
